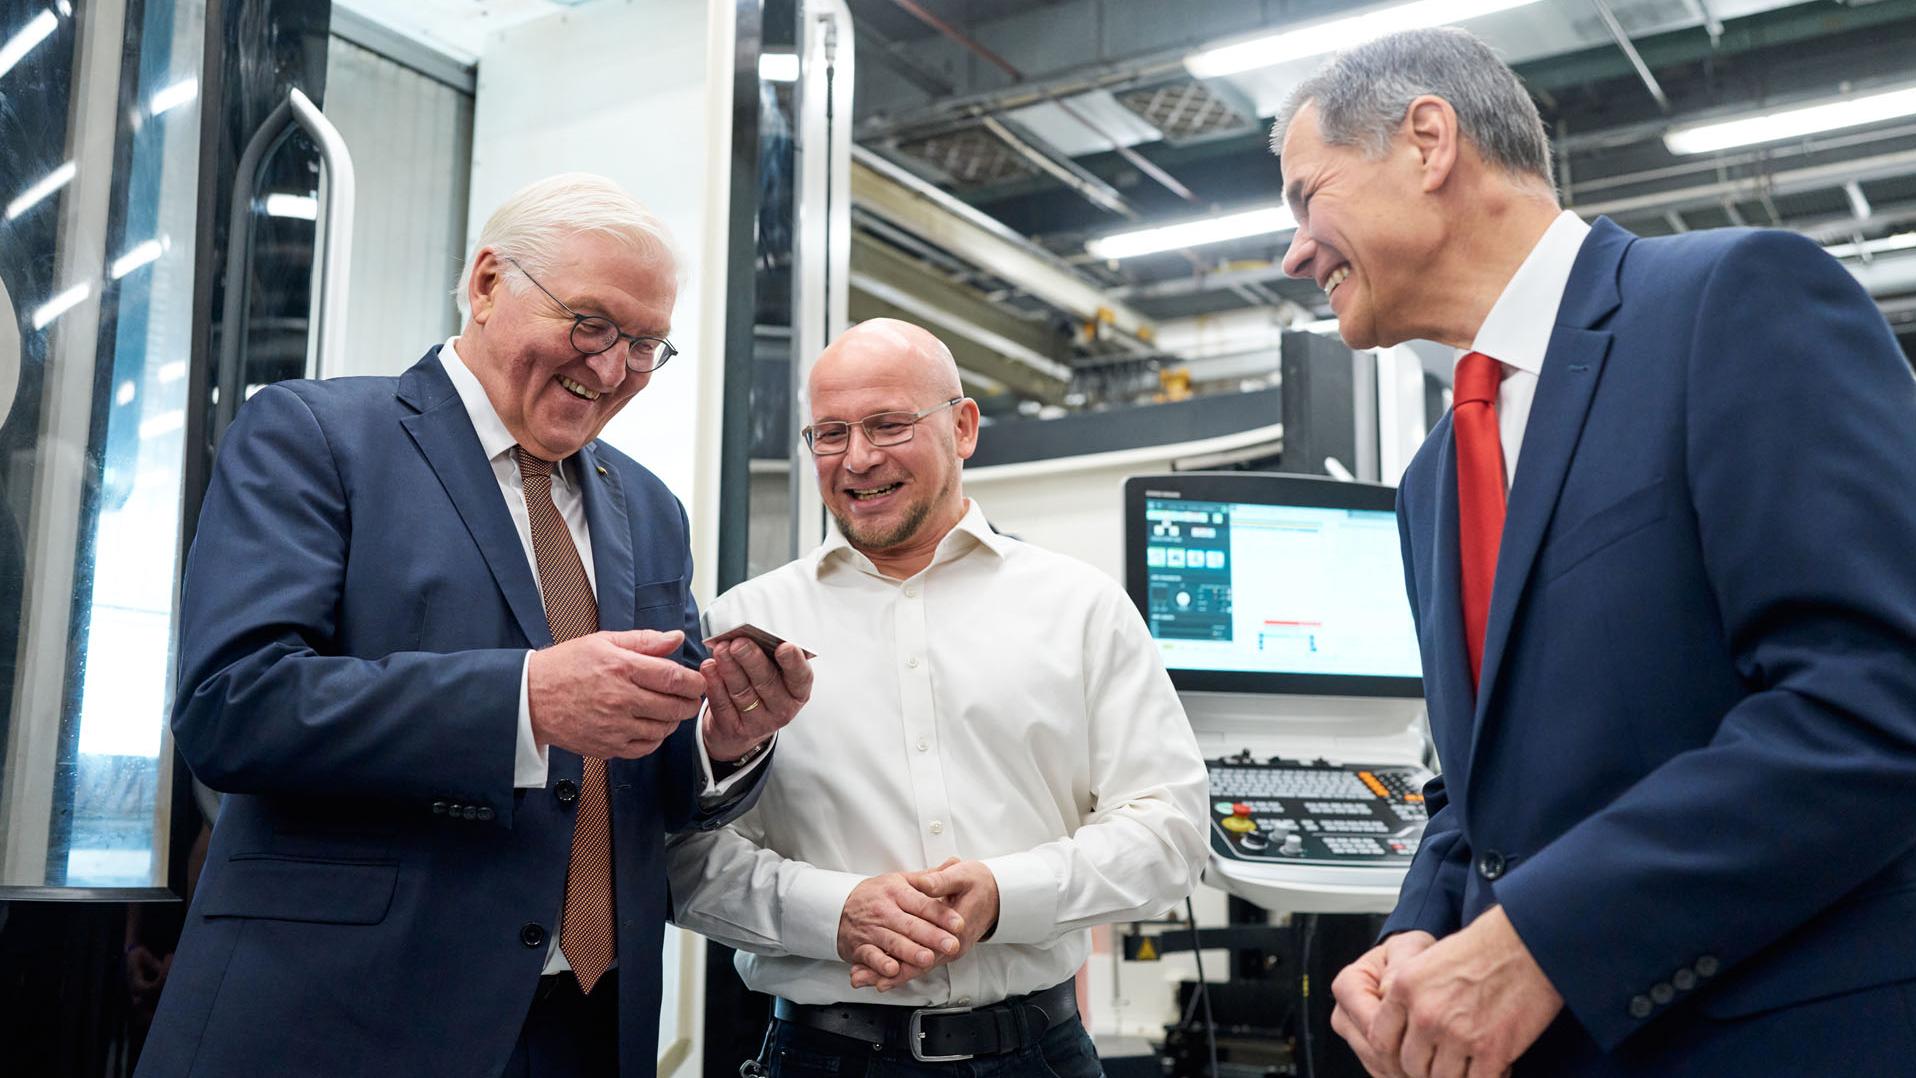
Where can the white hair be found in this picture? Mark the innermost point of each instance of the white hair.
(1363, 94)
(530, 227)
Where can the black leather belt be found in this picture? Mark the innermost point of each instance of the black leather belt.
(942, 1034)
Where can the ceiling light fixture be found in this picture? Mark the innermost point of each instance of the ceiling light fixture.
(778, 66)
(1229, 226)
(1901, 241)
(140, 254)
(1330, 35)
(23, 42)
(173, 96)
(1791, 123)
(61, 304)
(46, 186)
(304, 207)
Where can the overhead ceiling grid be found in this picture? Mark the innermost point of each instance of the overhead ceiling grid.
(1056, 125)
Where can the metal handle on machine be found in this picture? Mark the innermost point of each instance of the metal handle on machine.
(335, 249)
(336, 241)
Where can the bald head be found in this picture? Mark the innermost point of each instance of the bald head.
(898, 352)
(905, 427)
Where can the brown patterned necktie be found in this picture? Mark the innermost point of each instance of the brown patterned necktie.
(585, 937)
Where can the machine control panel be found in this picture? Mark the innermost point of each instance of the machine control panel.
(1280, 811)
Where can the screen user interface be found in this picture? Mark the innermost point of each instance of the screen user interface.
(1279, 589)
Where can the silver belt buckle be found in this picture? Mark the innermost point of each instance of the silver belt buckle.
(915, 1033)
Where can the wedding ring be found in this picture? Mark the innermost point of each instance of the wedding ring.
(750, 706)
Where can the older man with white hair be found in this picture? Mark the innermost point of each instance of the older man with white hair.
(437, 650)
(993, 762)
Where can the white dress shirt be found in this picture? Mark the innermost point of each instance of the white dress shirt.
(529, 759)
(1516, 333)
(1004, 704)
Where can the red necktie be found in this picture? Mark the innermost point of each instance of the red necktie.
(585, 934)
(1480, 493)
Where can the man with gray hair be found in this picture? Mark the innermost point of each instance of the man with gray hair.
(437, 649)
(993, 761)
(1659, 558)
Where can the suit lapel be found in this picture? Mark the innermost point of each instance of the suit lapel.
(443, 431)
(1571, 369)
(611, 531)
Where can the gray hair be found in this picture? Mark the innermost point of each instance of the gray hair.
(1363, 94)
(530, 227)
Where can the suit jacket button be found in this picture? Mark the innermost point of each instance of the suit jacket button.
(566, 791)
(1640, 1006)
(1491, 865)
(438, 808)
(1684, 979)
(1706, 966)
(1661, 993)
(532, 935)
(485, 813)
(471, 812)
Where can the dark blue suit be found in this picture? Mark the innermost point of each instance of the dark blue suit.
(1690, 776)
(357, 608)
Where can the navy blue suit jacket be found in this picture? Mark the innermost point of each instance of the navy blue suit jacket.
(1689, 774)
(378, 897)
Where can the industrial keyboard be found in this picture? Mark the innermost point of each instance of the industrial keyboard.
(1290, 812)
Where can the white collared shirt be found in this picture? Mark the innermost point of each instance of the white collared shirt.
(1007, 704)
(529, 758)
(1516, 333)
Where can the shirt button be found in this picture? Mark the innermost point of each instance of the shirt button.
(924, 745)
(911, 591)
(937, 827)
(1684, 979)
(912, 663)
(1661, 993)
(1706, 966)
(964, 1001)
(1640, 1006)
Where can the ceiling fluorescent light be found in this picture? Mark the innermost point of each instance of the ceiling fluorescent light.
(47, 185)
(23, 42)
(61, 304)
(304, 207)
(1229, 226)
(173, 96)
(139, 255)
(778, 66)
(1330, 35)
(1791, 123)
(1901, 241)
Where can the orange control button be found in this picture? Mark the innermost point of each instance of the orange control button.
(1240, 809)
(1376, 787)
(1415, 799)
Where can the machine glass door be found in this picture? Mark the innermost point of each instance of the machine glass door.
(99, 170)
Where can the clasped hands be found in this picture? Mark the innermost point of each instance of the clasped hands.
(619, 695)
(1468, 1005)
(901, 925)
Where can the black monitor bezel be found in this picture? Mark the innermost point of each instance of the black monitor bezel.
(1258, 488)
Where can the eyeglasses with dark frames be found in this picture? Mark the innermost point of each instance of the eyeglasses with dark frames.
(834, 436)
(592, 334)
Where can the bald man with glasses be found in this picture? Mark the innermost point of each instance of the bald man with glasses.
(993, 759)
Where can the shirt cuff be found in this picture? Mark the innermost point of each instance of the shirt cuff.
(810, 908)
(713, 791)
(1027, 898)
(529, 762)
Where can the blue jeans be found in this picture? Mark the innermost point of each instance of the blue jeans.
(797, 1052)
